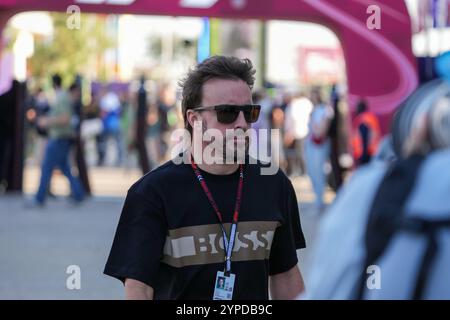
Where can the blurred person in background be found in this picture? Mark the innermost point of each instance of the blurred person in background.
(296, 130)
(335, 134)
(366, 134)
(61, 132)
(277, 123)
(262, 126)
(110, 110)
(288, 144)
(127, 125)
(92, 128)
(317, 146)
(77, 120)
(167, 119)
(38, 107)
(153, 136)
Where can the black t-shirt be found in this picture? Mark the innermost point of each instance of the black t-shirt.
(169, 236)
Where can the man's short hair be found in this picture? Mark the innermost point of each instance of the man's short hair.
(56, 80)
(215, 67)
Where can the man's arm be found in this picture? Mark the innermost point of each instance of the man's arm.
(137, 290)
(54, 121)
(287, 285)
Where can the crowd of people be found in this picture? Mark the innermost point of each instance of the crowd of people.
(108, 120)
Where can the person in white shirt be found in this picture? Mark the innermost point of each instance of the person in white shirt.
(110, 112)
(296, 128)
(317, 146)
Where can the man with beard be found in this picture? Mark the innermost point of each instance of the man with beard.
(189, 223)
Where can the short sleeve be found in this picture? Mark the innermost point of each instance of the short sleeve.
(139, 240)
(288, 237)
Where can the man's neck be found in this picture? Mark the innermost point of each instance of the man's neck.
(218, 169)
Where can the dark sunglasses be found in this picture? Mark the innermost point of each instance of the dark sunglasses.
(228, 113)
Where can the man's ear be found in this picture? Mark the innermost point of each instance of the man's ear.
(193, 116)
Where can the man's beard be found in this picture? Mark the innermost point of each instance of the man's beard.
(238, 151)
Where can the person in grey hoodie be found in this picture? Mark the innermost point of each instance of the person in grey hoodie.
(420, 140)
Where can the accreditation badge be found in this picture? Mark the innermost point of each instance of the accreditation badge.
(223, 287)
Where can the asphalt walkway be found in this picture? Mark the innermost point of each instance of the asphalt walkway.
(37, 246)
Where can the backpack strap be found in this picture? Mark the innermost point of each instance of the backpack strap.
(387, 207)
(430, 229)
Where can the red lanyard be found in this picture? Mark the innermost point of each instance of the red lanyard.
(228, 243)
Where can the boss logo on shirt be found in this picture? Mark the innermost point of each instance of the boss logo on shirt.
(204, 244)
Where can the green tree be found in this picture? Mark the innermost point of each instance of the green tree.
(71, 51)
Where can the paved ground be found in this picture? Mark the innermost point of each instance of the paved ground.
(37, 246)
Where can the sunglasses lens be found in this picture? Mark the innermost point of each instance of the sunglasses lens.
(252, 115)
(227, 115)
